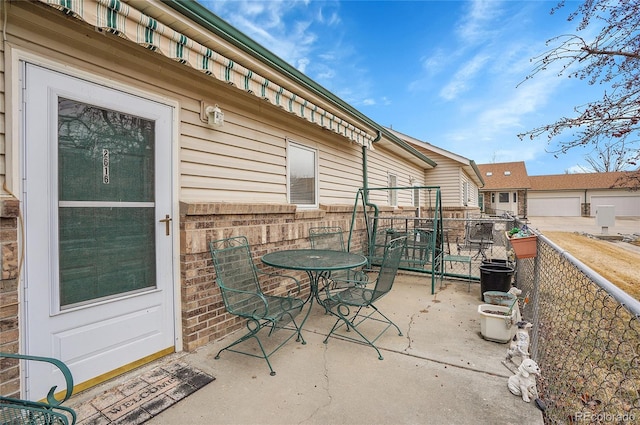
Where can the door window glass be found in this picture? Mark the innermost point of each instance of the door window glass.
(106, 202)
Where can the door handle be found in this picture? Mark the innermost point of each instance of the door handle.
(167, 222)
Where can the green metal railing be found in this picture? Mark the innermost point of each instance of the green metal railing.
(425, 233)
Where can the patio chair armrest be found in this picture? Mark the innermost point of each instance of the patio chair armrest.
(51, 399)
(284, 277)
(358, 277)
(245, 298)
(18, 411)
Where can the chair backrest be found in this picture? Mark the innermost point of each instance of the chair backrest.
(481, 230)
(236, 275)
(389, 267)
(478, 230)
(327, 238)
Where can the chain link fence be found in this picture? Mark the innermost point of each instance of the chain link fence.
(585, 338)
(457, 245)
(586, 331)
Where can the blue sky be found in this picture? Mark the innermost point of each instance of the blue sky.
(445, 72)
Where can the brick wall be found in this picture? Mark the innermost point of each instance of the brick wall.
(9, 259)
(267, 227)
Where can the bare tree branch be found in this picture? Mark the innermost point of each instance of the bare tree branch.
(611, 125)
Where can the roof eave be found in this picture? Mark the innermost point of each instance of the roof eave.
(402, 146)
(474, 173)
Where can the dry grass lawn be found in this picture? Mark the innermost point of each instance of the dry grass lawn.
(616, 264)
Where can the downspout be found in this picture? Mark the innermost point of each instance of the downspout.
(365, 194)
(365, 173)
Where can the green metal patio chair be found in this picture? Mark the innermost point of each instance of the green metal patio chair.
(333, 238)
(239, 282)
(359, 298)
(15, 411)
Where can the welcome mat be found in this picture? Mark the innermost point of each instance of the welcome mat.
(144, 396)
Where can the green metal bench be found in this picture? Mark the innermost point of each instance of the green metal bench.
(416, 253)
(15, 411)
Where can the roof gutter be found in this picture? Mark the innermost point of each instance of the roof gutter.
(407, 147)
(477, 170)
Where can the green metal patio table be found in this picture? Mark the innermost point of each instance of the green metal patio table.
(317, 263)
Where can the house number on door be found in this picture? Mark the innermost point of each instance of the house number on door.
(105, 166)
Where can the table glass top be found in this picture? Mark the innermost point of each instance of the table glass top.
(313, 259)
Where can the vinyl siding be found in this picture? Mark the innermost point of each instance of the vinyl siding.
(245, 160)
(451, 177)
(381, 163)
(447, 175)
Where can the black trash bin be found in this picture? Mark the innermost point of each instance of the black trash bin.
(495, 277)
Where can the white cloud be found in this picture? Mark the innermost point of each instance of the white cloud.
(462, 78)
(283, 27)
(475, 26)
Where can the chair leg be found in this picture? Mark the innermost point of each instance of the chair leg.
(254, 326)
(469, 278)
(351, 323)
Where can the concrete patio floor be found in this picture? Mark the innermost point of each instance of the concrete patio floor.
(441, 371)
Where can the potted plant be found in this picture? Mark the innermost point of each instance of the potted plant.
(497, 323)
(524, 242)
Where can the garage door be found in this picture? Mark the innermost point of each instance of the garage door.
(554, 207)
(624, 205)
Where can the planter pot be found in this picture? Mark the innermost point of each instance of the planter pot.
(526, 247)
(495, 277)
(504, 299)
(494, 325)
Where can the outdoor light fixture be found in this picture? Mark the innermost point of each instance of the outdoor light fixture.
(212, 114)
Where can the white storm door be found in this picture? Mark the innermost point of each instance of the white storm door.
(97, 185)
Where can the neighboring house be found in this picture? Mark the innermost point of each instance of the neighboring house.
(576, 195)
(508, 188)
(134, 134)
(458, 177)
(505, 189)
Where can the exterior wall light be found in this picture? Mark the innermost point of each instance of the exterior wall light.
(211, 114)
(214, 115)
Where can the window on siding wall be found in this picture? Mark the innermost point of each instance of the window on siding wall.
(393, 194)
(415, 195)
(465, 193)
(302, 174)
(515, 197)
